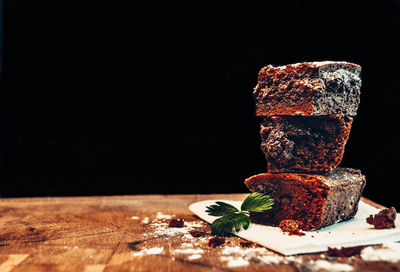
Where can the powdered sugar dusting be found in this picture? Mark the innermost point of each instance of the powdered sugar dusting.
(328, 266)
(162, 228)
(163, 216)
(390, 252)
(189, 251)
(316, 63)
(232, 255)
(234, 261)
(159, 228)
(149, 251)
(194, 257)
(258, 255)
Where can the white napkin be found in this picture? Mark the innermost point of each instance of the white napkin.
(355, 232)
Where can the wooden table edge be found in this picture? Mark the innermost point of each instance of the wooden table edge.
(195, 197)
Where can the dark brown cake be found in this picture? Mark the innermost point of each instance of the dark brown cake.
(384, 219)
(315, 200)
(309, 88)
(291, 226)
(308, 144)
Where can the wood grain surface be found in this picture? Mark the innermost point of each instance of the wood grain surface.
(122, 233)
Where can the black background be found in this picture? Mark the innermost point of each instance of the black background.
(116, 98)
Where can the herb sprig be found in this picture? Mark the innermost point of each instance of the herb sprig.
(232, 219)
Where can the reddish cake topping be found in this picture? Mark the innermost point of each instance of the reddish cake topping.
(384, 219)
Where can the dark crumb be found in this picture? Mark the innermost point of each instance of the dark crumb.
(216, 241)
(176, 223)
(291, 226)
(312, 236)
(196, 233)
(246, 243)
(384, 219)
(31, 229)
(344, 251)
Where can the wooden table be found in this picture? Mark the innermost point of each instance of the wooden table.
(95, 234)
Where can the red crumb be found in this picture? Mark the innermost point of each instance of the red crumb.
(216, 241)
(196, 233)
(291, 226)
(344, 251)
(384, 219)
(246, 243)
(176, 223)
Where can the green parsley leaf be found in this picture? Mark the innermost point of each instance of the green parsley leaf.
(227, 223)
(234, 220)
(257, 202)
(221, 209)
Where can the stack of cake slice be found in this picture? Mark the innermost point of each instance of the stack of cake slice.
(307, 110)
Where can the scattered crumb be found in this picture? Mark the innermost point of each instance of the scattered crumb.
(196, 233)
(135, 218)
(344, 251)
(216, 241)
(292, 227)
(384, 219)
(145, 220)
(246, 243)
(176, 223)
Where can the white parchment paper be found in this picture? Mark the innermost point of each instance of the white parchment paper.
(355, 232)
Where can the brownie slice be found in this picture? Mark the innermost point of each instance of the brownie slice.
(309, 88)
(304, 144)
(315, 200)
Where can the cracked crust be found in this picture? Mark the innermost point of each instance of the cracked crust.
(308, 89)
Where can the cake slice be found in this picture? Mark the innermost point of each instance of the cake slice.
(315, 200)
(305, 144)
(309, 88)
